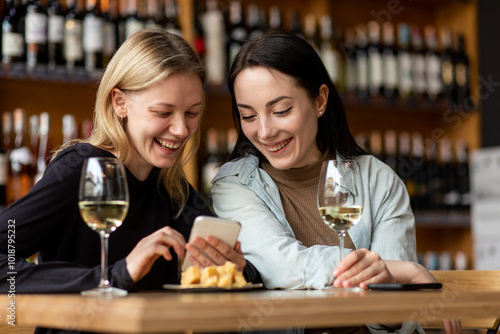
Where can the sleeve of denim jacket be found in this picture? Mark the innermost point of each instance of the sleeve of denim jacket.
(282, 260)
(392, 220)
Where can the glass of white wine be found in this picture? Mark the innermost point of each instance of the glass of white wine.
(340, 196)
(103, 200)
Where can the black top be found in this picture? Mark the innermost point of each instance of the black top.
(47, 220)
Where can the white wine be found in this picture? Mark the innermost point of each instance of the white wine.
(341, 218)
(103, 216)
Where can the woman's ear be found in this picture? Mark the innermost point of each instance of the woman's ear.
(322, 99)
(119, 100)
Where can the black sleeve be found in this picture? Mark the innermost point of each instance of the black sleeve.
(251, 273)
(45, 219)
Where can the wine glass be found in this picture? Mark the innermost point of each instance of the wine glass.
(103, 200)
(340, 196)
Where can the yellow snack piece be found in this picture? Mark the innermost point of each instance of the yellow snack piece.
(191, 276)
(225, 276)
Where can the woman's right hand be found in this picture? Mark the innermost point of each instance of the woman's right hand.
(150, 248)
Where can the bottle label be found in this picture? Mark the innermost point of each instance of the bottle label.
(215, 57)
(73, 50)
(109, 38)
(56, 29)
(405, 73)
(36, 28)
(19, 157)
(461, 75)
(390, 71)
(12, 44)
(132, 26)
(92, 33)
(375, 69)
(418, 62)
(331, 60)
(433, 67)
(447, 73)
(3, 169)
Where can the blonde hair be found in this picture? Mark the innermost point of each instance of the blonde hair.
(143, 60)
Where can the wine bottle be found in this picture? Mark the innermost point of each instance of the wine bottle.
(389, 61)
(253, 21)
(172, 15)
(215, 57)
(418, 63)
(13, 31)
(390, 150)
(20, 159)
(376, 143)
(330, 56)
(45, 147)
(419, 180)
(237, 30)
(448, 173)
(69, 128)
(349, 49)
(154, 19)
(199, 32)
(134, 21)
(405, 168)
(311, 32)
(122, 21)
(361, 62)
(55, 35)
(93, 43)
(212, 161)
(109, 30)
(462, 73)
(447, 66)
(73, 36)
(275, 18)
(36, 38)
(375, 65)
(432, 65)
(294, 23)
(434, 193)
(462, 157)
(4, 174)
(405, 86)
(34, 137)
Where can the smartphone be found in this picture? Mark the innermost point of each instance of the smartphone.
(223, 229)
(400, 287)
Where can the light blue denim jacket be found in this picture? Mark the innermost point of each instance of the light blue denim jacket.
(244, 192)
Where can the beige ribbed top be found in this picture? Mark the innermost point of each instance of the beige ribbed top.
(298, 189)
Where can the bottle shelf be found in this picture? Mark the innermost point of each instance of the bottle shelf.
(442, 219)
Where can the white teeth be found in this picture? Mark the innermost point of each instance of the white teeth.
(279, 147)
(167, 144)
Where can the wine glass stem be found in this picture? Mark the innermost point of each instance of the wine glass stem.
(104, 283)
(341, 245)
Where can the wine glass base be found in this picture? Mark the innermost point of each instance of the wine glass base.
(105, 292)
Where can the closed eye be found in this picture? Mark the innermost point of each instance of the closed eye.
(284, 112)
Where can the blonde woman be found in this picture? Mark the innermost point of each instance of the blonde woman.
(149, 104)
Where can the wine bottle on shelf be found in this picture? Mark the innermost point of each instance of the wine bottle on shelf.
(390, 151)
(405, 86)
(69, 128)
(87, 127)
(36, 39)
(253, 21)
(448, 173)
(462, 73)
(275, 18)
(45, 147)
(154, 19)
(432, 65)
(93, 44)
(13, 31)
(55, 35)
(361, 62)
(7, 133)
(295, 27)
(418, 63)
(73, 36)
(20, 180)
(376, 144)
(134, 21)
(4, 174)
(390, 63)
(311, 33)
(237, 34)
(215, 57)
(348, 48)
(447, 66)
(405, 168)
(109, 30)
(172, 16)
(34, 137)
(462, 157)
(122, 21)
(375, 65)
(199, 32)
(212, 161)
(329, 54)
(231, 138)
(434, 193)
(419, 180)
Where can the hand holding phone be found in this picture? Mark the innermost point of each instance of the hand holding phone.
(223, 229)
(400, 286)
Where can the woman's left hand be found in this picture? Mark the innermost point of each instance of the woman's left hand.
(360, 268)
(218, 251)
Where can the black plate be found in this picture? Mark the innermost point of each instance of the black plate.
(196, 288)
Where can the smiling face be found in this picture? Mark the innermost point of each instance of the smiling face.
(159, 121)
(279, 117)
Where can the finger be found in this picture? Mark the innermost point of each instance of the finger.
(348, 261)
(201, 259)
(173, 238)
(212, 251)
(227, 253)
(367, 266)
(237, 247)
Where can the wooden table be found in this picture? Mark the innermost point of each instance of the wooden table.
(163, 312)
